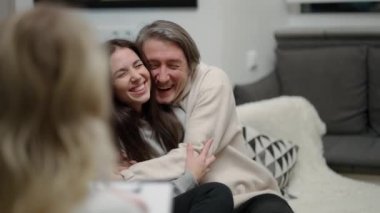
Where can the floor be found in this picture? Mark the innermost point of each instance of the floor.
(367, 178)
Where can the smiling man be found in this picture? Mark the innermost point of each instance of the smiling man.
(205, 96)
(169, 69)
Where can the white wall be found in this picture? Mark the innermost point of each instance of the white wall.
(332, 20)
(223, 29)
(6, 6)
(249, 25)
(204, 23)
(226, 29)
(21, 5)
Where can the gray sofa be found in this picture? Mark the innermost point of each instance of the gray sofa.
(338, 71)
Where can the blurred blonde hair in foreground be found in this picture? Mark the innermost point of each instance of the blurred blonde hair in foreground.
(54, 111)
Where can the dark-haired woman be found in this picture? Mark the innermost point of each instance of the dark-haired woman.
(146, 130)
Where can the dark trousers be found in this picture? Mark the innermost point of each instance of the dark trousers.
(265, 203)
(205, 198)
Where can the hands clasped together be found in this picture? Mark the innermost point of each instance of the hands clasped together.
(197, 163)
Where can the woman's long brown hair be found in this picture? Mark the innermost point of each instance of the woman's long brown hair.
(166, 128)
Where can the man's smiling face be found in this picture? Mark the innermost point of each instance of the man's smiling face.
(169, 69)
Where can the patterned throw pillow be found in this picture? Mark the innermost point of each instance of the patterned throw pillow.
(278, 156)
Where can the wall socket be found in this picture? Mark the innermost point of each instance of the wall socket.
(124, 32)
(251, 60)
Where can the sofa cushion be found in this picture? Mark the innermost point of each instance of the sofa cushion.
(354, 154)
(374, 88)
(278, 156)
(333, 79)
(265, 88)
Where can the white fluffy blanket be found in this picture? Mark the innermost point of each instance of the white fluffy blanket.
(317, 188)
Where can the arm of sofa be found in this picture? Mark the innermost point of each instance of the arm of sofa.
(289, 117)
(265, 88)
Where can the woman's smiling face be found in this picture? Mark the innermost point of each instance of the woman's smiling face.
(131, 79)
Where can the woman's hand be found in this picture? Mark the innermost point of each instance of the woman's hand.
(123, 165)
(198, 164)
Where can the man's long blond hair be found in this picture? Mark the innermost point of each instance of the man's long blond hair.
(54, 111)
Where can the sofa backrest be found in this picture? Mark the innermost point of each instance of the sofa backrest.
(336, 70)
